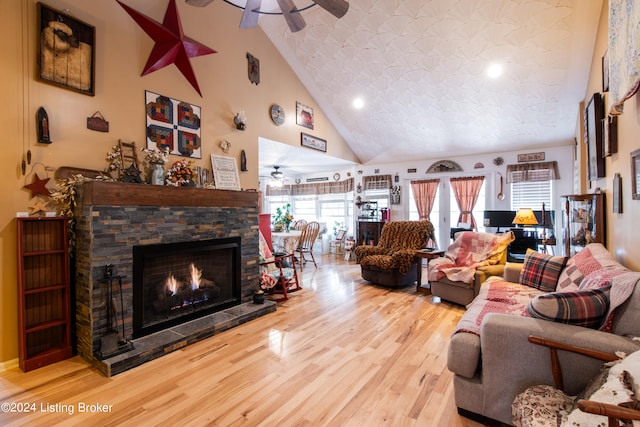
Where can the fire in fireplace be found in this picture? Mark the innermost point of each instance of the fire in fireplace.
(177, 282)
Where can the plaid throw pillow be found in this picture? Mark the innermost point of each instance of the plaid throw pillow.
(541, 271)
(586, 308)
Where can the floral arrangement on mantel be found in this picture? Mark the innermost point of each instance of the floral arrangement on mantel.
(153, 156)
(114, 158)
(65, 198)
(283, 218)
(181, 174)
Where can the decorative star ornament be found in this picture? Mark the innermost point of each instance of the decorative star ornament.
(172, 46)
(38, 186)
(38, 205)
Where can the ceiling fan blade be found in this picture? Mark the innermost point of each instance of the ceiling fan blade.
(198, 3)
(294, 20)
(250, 17)
(337, 8)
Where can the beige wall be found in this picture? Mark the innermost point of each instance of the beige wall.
(622, 230)
(122, 48)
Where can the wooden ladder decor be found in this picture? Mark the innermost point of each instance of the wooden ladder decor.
(129, 169)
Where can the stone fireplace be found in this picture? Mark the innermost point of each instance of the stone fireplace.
(146, 233)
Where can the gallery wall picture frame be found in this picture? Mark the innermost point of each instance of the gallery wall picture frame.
(225, 173)
(304, 115)
(66, 52)
(310, 141)
(617, 193)
(635, 174)
(253, 65)
(610, 135)
(605, 71)
(593, 117)
(174, 125)
(531, 157)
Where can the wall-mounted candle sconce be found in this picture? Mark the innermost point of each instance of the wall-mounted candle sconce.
(240, 120)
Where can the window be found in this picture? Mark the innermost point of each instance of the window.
(304, 207)
(329, 209)
(380, 196)
(531, 194)
(377, 189)
(336, 208)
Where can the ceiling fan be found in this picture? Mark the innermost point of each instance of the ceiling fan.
(277, 173)
(291, 12)
(276, 178)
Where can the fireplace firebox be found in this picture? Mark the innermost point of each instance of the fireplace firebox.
(177, 282)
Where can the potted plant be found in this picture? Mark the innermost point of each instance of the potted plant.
(283, 218)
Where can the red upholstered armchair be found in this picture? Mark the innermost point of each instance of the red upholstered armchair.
(392, 262)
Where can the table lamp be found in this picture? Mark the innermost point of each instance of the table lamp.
(525, 216)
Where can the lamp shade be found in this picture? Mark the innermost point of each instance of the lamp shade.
(525, 216)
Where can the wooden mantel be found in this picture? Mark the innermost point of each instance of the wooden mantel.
(106, 193)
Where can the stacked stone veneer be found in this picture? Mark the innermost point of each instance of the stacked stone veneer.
(106, 233)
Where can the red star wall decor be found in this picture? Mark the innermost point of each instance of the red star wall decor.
(172, 46)
(38, 186)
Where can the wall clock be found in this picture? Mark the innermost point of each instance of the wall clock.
(277, 114)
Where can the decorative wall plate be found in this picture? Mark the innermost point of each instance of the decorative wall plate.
(225, 145)
(277, 114)
(444, 166)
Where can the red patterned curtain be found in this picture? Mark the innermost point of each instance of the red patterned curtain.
(466, 192)
(424, 193)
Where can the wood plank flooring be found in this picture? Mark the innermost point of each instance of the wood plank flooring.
(340, 352)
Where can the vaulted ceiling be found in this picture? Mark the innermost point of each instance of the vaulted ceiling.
(420, 67)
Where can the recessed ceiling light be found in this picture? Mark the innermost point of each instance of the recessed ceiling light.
(358, 103)
(494, 70)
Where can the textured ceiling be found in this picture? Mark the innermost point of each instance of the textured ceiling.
(419, 66)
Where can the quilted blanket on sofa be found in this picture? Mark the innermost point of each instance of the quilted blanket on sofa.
(499, 296)
(469, 251)
(496, 296)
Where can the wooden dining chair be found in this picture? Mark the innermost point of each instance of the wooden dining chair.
(300, 224)
(306, 241)
(338, 241)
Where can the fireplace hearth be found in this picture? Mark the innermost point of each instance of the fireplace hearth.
(177, 282)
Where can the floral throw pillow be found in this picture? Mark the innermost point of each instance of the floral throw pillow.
(542, 271)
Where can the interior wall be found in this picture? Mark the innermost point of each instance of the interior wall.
(121, 51)
(476, 165)
(622, 233)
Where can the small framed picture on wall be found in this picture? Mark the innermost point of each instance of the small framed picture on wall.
(304, 115)
(635, 174)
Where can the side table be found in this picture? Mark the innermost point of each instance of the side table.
(427, 254)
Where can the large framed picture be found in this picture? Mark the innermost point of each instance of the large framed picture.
(66, 51)
(594, 114)
(309, 141)
(173, 125)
